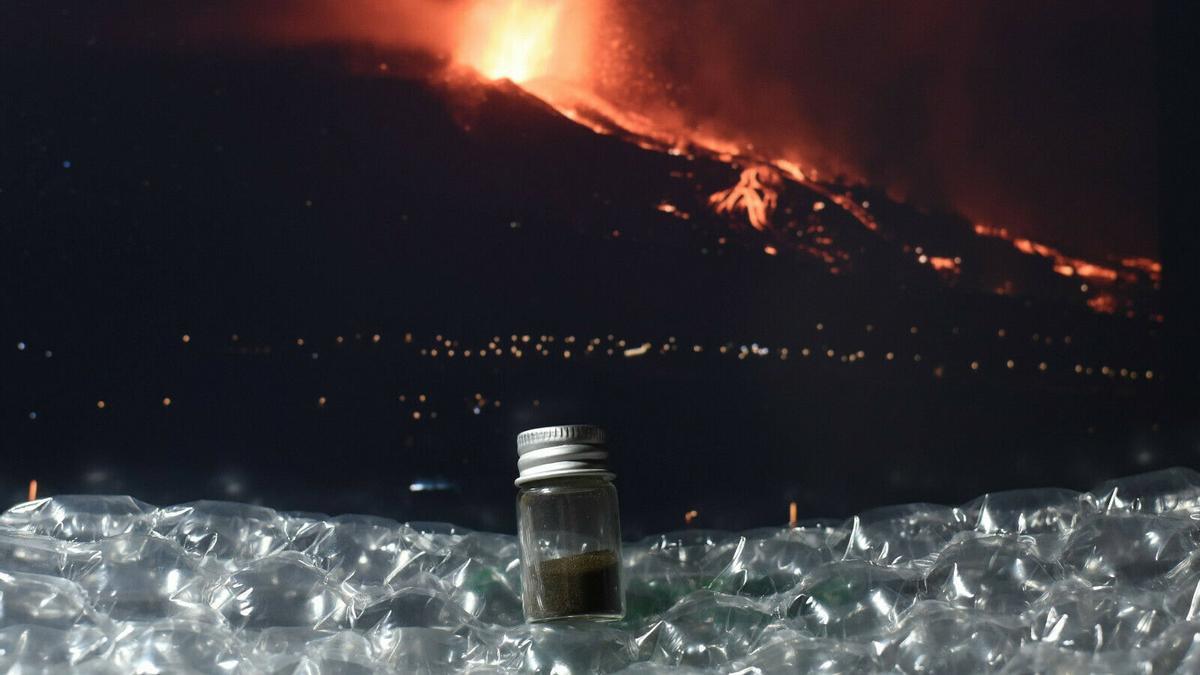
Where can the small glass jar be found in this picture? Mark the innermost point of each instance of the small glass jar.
(569, 526)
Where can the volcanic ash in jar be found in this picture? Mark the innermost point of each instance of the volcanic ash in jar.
(578, 585)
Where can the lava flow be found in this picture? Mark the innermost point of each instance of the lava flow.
(552, 49)
(1125, 269)
(548, 48)
(754, 193)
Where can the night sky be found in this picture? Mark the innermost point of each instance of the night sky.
(305, 271)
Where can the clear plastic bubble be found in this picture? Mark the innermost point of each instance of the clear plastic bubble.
(791, 651)
(902, 535)
(1130, 548)
(993, 573)
(141, 578)
(937, 638)
(1074, 615)
(853, 599)
(281, 590)
(1168, 491)
(706, 629)
(80, 517)
(1028, 581)
(1033, 512)
(36, 600)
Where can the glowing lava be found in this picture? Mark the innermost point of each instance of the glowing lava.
(754, 193)
(567, 53)
(1064, 265)
(513, 40)
(527, 40)
(943, 264)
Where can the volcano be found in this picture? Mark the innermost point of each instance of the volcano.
(797, 213)
(805, 334)
(450, 158)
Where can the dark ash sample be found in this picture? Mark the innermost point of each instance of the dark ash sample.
(580, 585)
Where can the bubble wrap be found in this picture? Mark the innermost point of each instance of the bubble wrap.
(1029, 581)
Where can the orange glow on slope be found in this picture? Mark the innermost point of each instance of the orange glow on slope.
(555, 50)
(566, 53)
(1091, 271)
(943, 264)
(1064, 265)
(989, 231)
(1104, 303)
(1151, 267)
(855, 209)
(753, 194)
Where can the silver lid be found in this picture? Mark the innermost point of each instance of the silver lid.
(561, 451)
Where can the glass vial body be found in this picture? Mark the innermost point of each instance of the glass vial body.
(570, 534)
